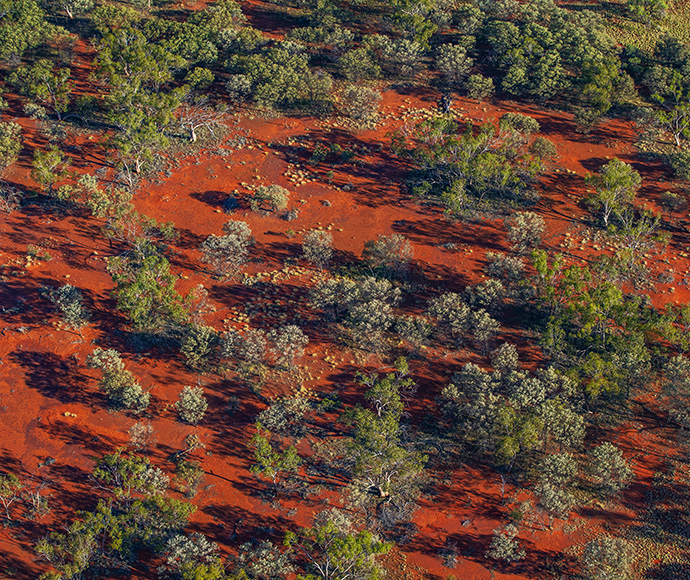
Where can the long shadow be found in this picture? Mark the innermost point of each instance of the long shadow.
(54, 376)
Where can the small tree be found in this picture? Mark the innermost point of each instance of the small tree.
(607, 558)
(360, 103)
(271, 462)
(10, 486)
(505, 545)
(44, 83)
(480, 87)
(609, 468)
(453, 63)
(288, 344)
(192, 405)
(616, 185)
(525, 231)
(270, 198)
(316, 248)
(392, 253)
(10, 143)
(335, 551)
(48, 167)
(228, 253)
(199, 347)
(117, 382)
(195, 116)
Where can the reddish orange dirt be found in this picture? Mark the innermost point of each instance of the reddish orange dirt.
(50, 405)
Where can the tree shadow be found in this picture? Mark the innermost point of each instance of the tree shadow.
(54, 376)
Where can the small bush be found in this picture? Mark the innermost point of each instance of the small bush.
(391, 253)
(192, 405)
(68, 300)
(228, 253)
(609, 469)
(525, 231)
(543, 148)
(316, 248)
(199, 347)
(360, 103)
(505, 546)
(288, 343)
(480, 87)
(118, 383)
(607, 558)
(453, 63)
(10, 198)
(270, 198)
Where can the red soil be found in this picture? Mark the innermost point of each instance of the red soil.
(44, 377)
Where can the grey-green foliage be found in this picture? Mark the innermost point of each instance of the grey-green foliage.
(505, 545)
(556, 475)
(608, 558)
(509, 410)
(317, 249)
(263, 560)
(199, 347)
(484, 328)
(504, 358)
(288, 343)
(185, 554)
(413, 329)
(609, 469)
(358, 64)
(397, 56)
(453, 63)
(452, 316)
(676, 384)
(390, 253)
(250, 347)
(525, 231)
(191, 405)
(285, 416)
(69, 301)
(228, 253)
(364, 304)
(489, 295)
(360, 103)
(118, 383)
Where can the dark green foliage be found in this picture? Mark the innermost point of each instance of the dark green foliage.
(10, 143)
(137, 516)
(333, 549)
(145, 291)
(280, 77)
(471, 166)
(44, 83)
(23, 27)
(200, 347)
